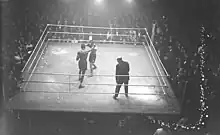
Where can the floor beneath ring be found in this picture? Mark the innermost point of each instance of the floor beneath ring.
(59, 58)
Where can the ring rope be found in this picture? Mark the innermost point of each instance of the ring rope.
(29, 77)
(90, 93)
(56, 82)
(151, 43)
(91, 34)
(151, 52)
(104, 75)
(111, 41)
(38, 51)
(153, 66)
(108, 28)
(157, 66)
(35, 49)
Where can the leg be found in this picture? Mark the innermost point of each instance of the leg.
(83, 74)
(82, 78)
(80, 72)
(94, 66)
(94, 62)
(91, 69)
(117, 89)
(126, 87)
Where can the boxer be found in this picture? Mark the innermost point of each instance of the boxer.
(82, 63)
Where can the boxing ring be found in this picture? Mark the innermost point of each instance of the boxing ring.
(50, 76)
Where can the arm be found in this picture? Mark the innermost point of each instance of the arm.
(90, 49)
(116, 72)
(128, 67)
(77, 57)
(89, 45)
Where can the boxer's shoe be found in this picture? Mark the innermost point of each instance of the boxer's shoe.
(94, 67)
(81, 86)
(115, 97)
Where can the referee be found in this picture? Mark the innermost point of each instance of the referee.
(122, 76)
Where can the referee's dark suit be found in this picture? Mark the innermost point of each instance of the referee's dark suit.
(122, 68)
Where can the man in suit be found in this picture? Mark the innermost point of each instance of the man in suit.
(122, 76)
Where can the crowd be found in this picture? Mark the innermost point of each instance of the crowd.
(181, 62)
(110, 34)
